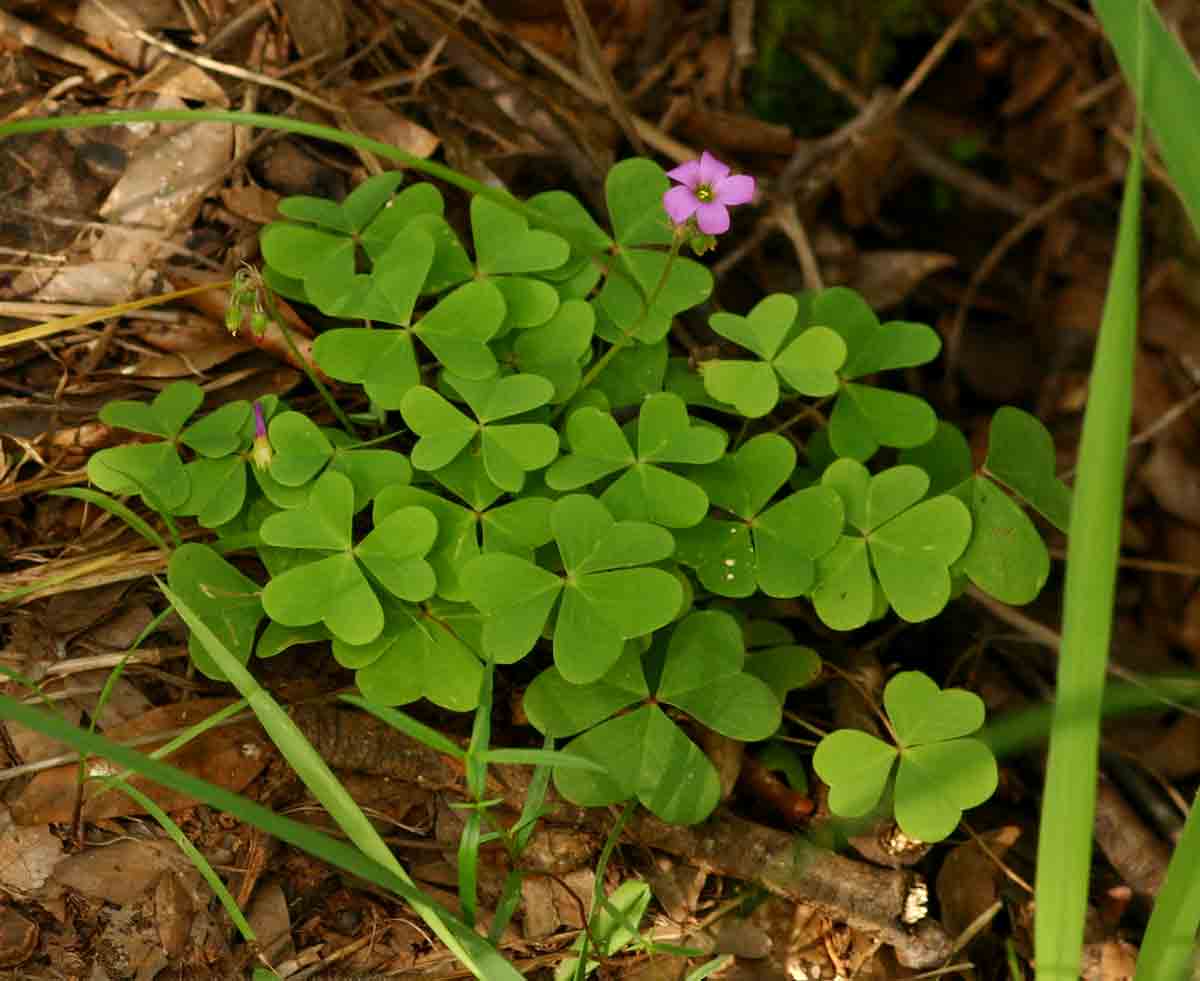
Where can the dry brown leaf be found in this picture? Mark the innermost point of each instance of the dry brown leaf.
(376, 120)
(969, 880)
(27, 855)
(1174, 480)
(229, 756)
(109, 24)
(187, 365)
(886, 277)
(317, 26)
(251, 202)
(167, 178)
(1037, 72)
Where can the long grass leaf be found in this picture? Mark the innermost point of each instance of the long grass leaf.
(1068, 808)
(1169, 946)
(478, 956)
(117, 509)
(1172, 89)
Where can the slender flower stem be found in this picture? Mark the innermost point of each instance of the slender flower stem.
(627, 334)
(307, 368)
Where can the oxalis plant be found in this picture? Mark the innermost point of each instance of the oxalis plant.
(531, 471)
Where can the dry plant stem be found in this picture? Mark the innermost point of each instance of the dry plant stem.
(1051, 639)
(866, 897)
(308, 370)
(989, 264)
(97, 68)
(652, 135)
(591, 55)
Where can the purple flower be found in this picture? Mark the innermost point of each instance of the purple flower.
(706, 190)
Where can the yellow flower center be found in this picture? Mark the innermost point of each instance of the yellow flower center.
(704, 193)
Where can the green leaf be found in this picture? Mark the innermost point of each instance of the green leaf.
(501, 398)
(444, 431)
(458, 328)
(634, 189)
(560, 709)
(1006, 556)
(220, 432)
(422, 658)
(1021, 456)
(642, 747)
(528, 302)
(844, 594)
(165, 416)
(370, 471)
(745, 481)
(637, 274)
(936, 783)
(810, 363)
(152, 470)
(946, 458)
(217, 490)
(923, 713)
(504, 242)
(382, 361)
(912, 553)
(554, 350)
(856, 766)
(324, 522)
(516, 597)
(774, 550)
(764, 329)
(394, 553)
(751, 387)
(871, 347)
(784, 667)
(864, 418)
(941, 774)
(332, 591)
(366, 200)
(226, 599)
(301, 449)
(599, 448)
(633, 373)
(419, 200)
(702, 674)
(590, 540)
(276, 638)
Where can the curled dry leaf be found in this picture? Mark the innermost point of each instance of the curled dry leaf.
(378, 121)
(229, 756)
(970, 880)
(318, 27)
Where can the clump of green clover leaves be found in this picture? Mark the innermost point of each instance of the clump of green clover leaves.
(935, 769)
(527, 471)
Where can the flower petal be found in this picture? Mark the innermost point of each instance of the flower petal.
(686, 173)
(712, 171)
(680, 203)
(738, 189)
(713, 219)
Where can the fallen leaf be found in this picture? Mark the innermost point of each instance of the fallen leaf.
(229, 756)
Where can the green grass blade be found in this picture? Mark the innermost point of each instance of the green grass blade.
(482, 959)
(302, 128)
(1068, 808)
(175, 833)
(117, 510)
(1170, 942)
(1172, 89)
